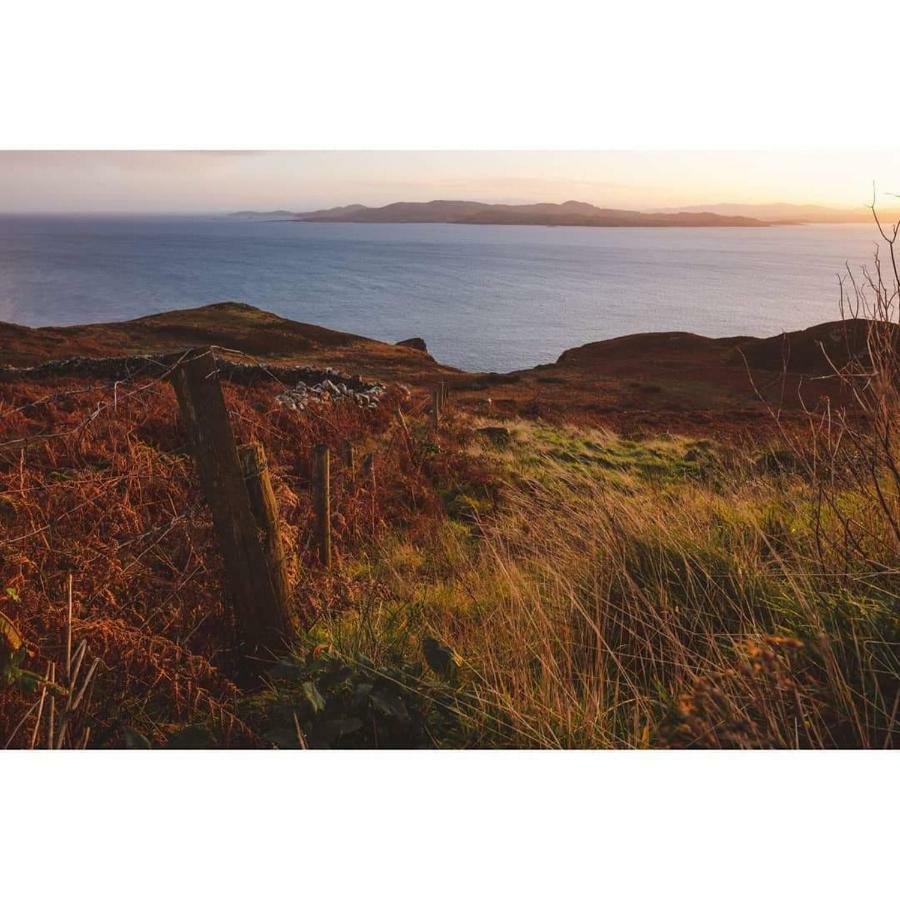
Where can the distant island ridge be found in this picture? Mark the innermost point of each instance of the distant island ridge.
(571, 213)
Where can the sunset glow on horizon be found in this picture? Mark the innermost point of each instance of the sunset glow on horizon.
(225, 181)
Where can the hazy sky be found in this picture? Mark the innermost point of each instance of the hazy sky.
(200, 181)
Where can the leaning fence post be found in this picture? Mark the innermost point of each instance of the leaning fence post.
(260, 611)
(255, 467)
(435, 408)
(322, 503)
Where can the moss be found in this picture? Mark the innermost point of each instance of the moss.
(467, 502)
(541, 448)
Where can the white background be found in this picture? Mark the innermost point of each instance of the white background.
(467, 824)
(474, 75)
(267, 74)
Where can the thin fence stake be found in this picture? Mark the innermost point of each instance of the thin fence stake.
(322, 503)
(368, 474)
(69, 634)
(435, 408)
(347, 456)
(255, 467)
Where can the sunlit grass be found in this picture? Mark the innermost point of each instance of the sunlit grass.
(634, 594)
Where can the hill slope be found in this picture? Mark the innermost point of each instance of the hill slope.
(656, 380)
(677, 381)
(236, 326)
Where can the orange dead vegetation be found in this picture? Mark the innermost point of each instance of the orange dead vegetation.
(96, 484)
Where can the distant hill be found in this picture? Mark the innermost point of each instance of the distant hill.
(790, 213)
(573, 212)
(463, 212)
(252, 214)
(335, 214)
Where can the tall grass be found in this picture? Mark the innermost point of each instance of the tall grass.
(636, 611)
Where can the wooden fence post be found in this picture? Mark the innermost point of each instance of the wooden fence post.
(444, 393)
(255, 467)
(347, 456)
(435, 408)
(322, 503)
(260, 611)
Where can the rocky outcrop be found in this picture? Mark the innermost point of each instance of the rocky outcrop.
(415, 343)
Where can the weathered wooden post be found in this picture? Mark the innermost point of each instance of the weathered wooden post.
(435, 408)
(347, 456)
(444, 393)
(260, 610)
(322, 503)
(255, 467)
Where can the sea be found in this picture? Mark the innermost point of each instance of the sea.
(483, 297)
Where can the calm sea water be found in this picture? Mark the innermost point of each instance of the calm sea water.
(483, 297)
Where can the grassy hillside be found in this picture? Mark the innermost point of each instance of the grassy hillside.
(662, 593)
(551, 586)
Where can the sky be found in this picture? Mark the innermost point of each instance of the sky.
(226, 181)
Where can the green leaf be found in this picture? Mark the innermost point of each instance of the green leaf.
(9, 634)
(286, 670)
(389, 705)
(361, 691)
(194, 737)
(315, 699)
(333, 678)
(27, 680)
(441, 659)
(134, 740)
(13, 594)
(335, 729)
(12, 654)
